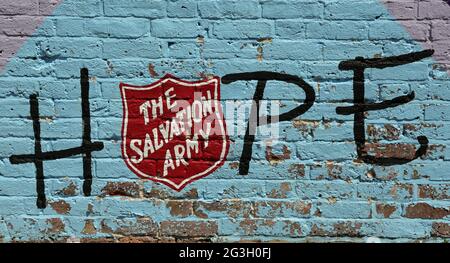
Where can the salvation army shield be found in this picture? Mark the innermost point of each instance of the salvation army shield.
(173, 131)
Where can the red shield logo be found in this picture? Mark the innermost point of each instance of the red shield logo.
(173, 131)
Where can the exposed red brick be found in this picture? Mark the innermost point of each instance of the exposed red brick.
(347, 229)
(410, 127)
(409, 188)
(306, 127)
(233, 208)
(128, 189)
(90, 209)
(436, 192)
(191, 240)
(52, 240)
(441, 229)
(434, 149)
(189, 228)
(162, 194)
(278, 207)
(133, 239)
(61, 207)
(152, 71)
(285, 188)
(318, 213)
(104, 228)
(89, 228)
(198, 211)
(386, 210)
(386, 132)
(318, 231)
(303, 208)
(342, 229)
(334, 171)
(143, 227)
(180, 208)
(397, 150)
(97, 240)
(295, 229)
(274, 158)
(297, 169)
(234, 165)
(249, 226)
(371, 174)
(56, 225)
(145, 239)
(70, 190)
(426, 211)
(264, 40)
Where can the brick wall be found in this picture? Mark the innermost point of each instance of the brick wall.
(308, 184)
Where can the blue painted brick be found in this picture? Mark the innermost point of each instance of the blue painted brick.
(348, 30)
(183, 49)
(70, 68)
(412, 72)
(244, 29)
(229, 9)
(20, 108)
(66, 89)
(70, 27)
(145, 48)
(431, 91)
(317, 151)
(345, 209)
(385, 191)
(223, 49)
(165, 28)
(117, 27)
(397, 229)
(17, 187)
(290, 28)
(437, 112)
(109, 128)
(182, 8)
(293, 50)
(20, 67)
(137, 8)
(71, 48)
(342, 50)
(292, 9)
(332, 171)
(386, 30)
(17, 87)
(81, 8)
(354, 10)
(12, 146)
(339, 190)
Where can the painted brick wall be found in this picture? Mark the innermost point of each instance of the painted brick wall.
(306, 185)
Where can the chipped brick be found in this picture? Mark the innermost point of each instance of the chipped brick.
(277, 158)
(435, 192)
(189, 228)
(56, 225)
(61, 207)
(89, 227)
(297, 169)
(128, 189)
(441, 229)
(70, 190)
(180, 208)
(426, 211)
(386, 210)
